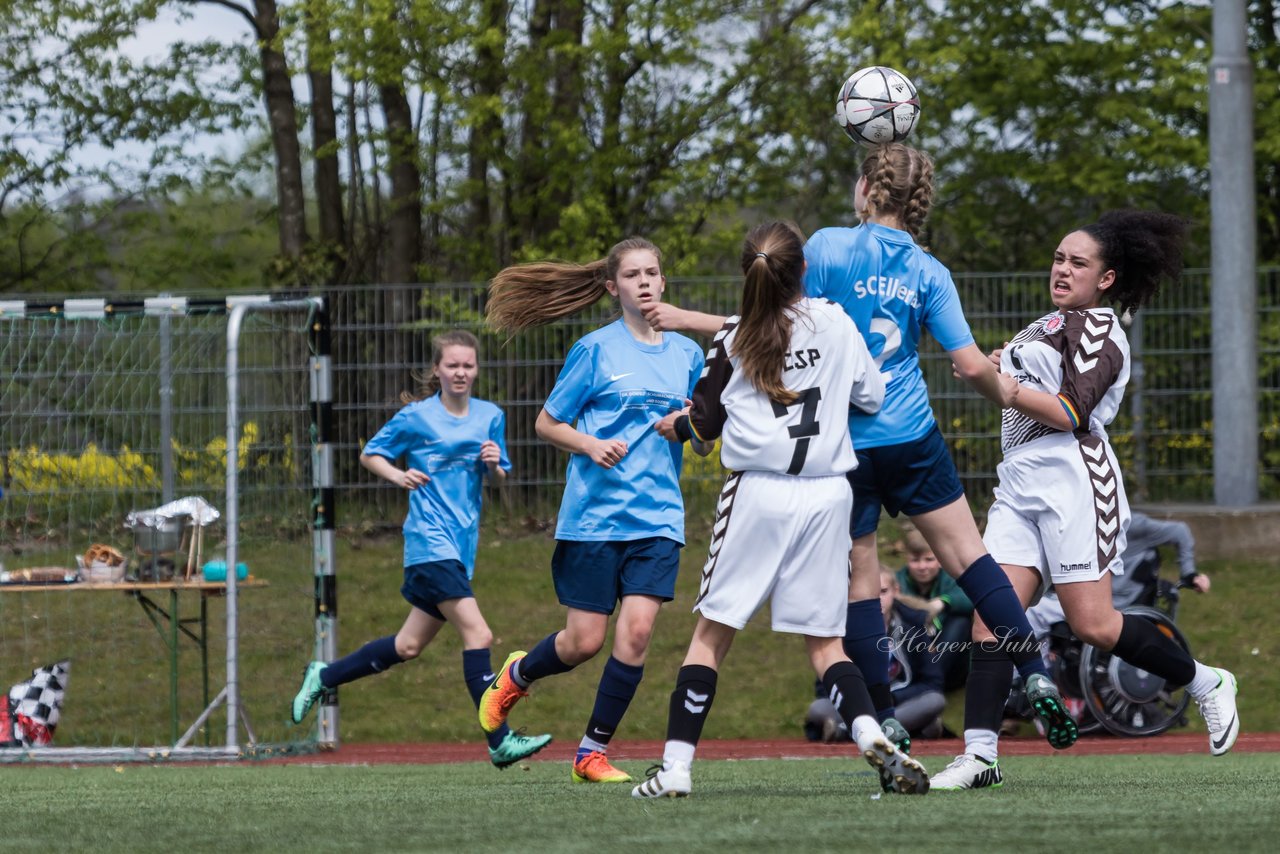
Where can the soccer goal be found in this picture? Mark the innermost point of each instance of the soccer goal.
(166, 526)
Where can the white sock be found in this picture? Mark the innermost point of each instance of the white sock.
(1206, 679)
(865, 725)
(592, 744)
(678, 751)
(983, 743)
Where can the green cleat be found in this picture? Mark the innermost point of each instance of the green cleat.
(1059, 727)
(309, 692)
(901, 739)
(897, 733)
(516, 746)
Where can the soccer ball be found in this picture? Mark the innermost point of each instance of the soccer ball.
(877, 105)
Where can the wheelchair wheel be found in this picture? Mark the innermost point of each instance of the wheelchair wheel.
(1066, 650)
(1126, 700)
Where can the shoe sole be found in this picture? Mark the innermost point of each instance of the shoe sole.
(908, 775)
(1060, 729)
(513, 760)
(640, 793)
(967, 788)
(578, 778)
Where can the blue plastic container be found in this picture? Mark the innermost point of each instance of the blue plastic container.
(216, 570)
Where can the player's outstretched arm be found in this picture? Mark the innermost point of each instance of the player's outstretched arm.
(664, 317)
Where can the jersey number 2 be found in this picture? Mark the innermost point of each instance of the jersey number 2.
(808, 426)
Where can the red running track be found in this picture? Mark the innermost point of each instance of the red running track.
(428, 754)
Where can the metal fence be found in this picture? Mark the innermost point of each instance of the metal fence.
(1163, 435)
(382, 336)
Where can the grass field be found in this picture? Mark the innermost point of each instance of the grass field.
(766, 683)
(1055, 803)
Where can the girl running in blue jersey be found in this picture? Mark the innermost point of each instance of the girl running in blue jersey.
(779, 383)
(450, 443)
(893, 289)
(1061, 515)
(621, 522)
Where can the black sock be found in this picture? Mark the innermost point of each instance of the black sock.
(990, 679)
(848, 692)
(1143, 645)
(691, 703)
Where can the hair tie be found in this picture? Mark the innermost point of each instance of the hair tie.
(762, 255)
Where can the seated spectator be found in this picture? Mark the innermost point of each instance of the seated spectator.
(915, 674)
(948, 611)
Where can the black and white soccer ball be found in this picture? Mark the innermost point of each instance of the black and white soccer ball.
(877, 105)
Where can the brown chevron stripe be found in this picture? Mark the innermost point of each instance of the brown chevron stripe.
(724, 508)
(1106, 496)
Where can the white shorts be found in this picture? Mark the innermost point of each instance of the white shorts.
(1060, 507)
(784, 540)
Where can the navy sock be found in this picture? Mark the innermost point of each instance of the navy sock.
(691, 703)
(997, 604)
(374, 657)
(477, 672)
(864, 644)
(618, 685)
(541, 661)
(848, 691)
(985, 694)
(1145, 646)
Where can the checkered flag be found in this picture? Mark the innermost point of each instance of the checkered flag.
(30, 714)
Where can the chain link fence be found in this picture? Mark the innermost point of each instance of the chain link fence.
(1164, 433)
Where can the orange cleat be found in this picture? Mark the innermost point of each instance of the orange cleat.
(501, 696)
(595, 768)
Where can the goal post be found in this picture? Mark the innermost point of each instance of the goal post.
(113, 408)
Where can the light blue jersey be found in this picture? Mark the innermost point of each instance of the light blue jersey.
(444, 514)
(891, 288)
(614, 387)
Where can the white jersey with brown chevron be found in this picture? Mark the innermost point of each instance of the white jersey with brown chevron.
(1081, 357)
(827, 365)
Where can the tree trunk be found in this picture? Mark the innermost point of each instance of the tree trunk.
(404, 214)
(283, 122)
(324, 139)
(486, 137)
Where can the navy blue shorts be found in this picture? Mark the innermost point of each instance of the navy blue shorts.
(426, 585)
(912, 478)
(593, 576)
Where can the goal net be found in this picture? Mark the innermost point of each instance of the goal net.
(188, 438)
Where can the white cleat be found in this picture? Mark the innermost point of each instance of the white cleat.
(672, 780)
(1219, 710)
(900, 772)
(968, 771)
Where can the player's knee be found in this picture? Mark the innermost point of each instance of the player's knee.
(481, 638)
(582, 645)
(634, 642)
(1096, 633)
(408, 648)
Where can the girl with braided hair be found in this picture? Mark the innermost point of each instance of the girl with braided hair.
(1060, 514)
(780, 379)
(893, 289)
(621, 523)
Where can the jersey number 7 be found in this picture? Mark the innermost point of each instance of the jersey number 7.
(808, 426)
